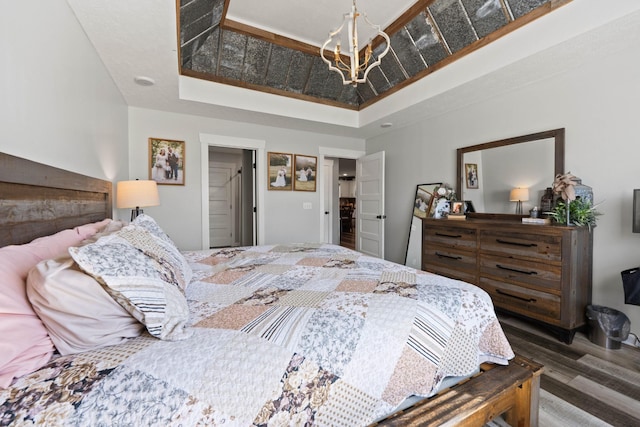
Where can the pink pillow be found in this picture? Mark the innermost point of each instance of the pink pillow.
(25, 344)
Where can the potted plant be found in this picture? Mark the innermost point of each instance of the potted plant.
(569, 209)
(580, 213)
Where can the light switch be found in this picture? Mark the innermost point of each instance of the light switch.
(306, 205)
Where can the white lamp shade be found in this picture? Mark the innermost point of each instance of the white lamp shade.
(519, 195)
(137, 194)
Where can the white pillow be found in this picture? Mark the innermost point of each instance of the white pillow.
(78, 313)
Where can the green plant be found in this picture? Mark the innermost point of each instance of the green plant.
(581, 213)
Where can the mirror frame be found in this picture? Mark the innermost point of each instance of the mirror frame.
(556, 134)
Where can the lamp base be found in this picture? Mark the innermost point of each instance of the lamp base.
(519, 207)
(135, 212)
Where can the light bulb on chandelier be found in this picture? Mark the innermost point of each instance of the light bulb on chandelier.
(353, 67)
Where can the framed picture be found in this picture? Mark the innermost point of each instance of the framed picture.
(421, 207)
(468, 207)
(279, 171)
(424, 199)
(166, 161)
(471, 175)
(305, 171)
(457, 208)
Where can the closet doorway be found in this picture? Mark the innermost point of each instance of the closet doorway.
(231, 197)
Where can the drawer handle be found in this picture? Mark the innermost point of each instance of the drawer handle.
(515, 270)
(455, 236)
(448, 256)
(501, 292)
(507, 242)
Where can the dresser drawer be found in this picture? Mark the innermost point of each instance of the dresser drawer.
(544, 276)
(525, 245)
(539, 305)
(450, 262)
(450, 236)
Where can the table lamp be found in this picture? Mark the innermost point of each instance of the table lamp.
(519, 195)
(137, 194)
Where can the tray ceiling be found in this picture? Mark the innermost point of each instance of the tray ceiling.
(254, 48)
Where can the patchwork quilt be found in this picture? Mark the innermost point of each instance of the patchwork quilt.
(280, 335)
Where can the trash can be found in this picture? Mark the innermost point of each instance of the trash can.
(607, 327)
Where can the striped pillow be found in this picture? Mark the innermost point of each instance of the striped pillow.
(132, 266)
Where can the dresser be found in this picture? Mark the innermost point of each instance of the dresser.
(537, 272)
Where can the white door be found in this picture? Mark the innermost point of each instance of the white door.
(370, 204)
(254, 180)
(328, 201)
(220, 205)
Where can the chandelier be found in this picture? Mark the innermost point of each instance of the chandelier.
(352, 67)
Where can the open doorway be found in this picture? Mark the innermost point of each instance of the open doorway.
(231, 197)
(369, 191)
(340, 201)
(253, 168)
(348, 203)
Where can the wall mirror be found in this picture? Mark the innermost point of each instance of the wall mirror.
(495, 175)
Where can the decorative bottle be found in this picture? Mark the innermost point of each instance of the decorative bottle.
(546, 201)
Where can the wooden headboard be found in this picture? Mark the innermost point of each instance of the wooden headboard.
(37, 200)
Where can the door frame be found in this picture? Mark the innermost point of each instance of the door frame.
(332, 152)
(327, 219)
(258, 145)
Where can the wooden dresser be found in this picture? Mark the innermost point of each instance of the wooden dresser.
(539, 272)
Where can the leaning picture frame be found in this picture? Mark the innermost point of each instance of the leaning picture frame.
(422, 202)
(279, 176)
(167, 161)
(424, 199)
(305, 172)
(471, 175)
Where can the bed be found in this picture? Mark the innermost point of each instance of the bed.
(127, 330)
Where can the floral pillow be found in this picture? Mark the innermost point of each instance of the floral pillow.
(157, 244)
(150, 224)
(127, 264)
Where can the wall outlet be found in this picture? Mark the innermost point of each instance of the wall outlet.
(306, 205)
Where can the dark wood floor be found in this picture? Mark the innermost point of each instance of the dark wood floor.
(601, 387)
(348, 239)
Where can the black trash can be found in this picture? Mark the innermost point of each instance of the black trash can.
(607, 327)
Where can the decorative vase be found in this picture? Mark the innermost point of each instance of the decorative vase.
(546, 201)
(583, 192)
(442, 209)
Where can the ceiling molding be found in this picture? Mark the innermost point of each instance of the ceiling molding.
(428, 36)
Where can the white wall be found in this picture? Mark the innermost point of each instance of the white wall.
(180, 211)
(593, 93)
(58, 104)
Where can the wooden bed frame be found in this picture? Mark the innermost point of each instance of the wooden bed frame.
(512, 391)
(37, 200)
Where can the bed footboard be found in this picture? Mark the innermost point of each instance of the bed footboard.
(512, 390)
